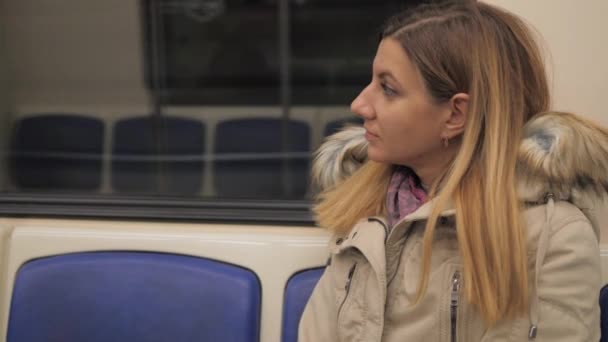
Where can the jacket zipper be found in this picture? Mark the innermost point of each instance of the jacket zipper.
(454, 305)
(347, 287)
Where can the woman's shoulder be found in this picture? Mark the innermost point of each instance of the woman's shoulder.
(562, 213)
(555, 218)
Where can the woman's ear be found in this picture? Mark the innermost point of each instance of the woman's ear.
(457, 119)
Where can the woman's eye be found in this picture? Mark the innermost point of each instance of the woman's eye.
(388, 91)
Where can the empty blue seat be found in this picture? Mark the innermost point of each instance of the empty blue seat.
(604, 309)
(57, 152)
(336, 125)
(133, 296)
(158, 155)
(298, 290)
(249, 159)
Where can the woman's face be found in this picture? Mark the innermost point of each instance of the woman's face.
(403, 124)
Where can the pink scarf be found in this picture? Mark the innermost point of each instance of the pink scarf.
(404, 195)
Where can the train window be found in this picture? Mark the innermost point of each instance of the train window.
(212, 52)
(332, 48)
(178, 109)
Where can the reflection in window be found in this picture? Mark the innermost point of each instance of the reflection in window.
(332, 46)
(178, 99)
(213, 52)
(227, 52)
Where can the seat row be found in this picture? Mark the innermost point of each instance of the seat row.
(251, 157)
(135, 296)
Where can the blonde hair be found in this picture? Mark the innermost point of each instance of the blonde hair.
(490, 54)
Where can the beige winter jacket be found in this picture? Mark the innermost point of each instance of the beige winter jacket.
(368, 289)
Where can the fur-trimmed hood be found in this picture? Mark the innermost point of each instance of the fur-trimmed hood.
(560, 153)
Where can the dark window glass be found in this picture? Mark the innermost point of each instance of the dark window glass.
(332, 45)
(176, 108)
(212, 52)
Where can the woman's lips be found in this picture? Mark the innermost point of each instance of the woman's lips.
(370, 136)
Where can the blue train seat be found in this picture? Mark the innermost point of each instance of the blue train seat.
(153, 155)
(57, 151)
(298, 290)
(336, 125)
(133, 296)
(604, 309)
(249, 162)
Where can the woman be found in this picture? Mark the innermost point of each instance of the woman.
(462, 210)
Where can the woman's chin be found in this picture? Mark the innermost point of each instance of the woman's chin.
(375, 155)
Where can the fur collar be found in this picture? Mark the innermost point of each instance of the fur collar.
(560, 153)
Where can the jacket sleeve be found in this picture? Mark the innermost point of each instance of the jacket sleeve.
(319, 319)
(568, 289)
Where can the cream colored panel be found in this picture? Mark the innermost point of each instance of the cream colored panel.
(575, 35)
(5, 232)
(273, 253)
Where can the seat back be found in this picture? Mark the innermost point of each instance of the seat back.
(298, 291)
(250, 160)
(604, 314)
(57, 151)
(158, 155)
(129, 296)
(336, 125)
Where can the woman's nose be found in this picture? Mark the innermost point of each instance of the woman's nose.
(361, 106)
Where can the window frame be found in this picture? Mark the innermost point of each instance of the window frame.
(276, 212)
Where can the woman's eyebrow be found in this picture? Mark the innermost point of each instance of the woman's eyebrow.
(385, 74)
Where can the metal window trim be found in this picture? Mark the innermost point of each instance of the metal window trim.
(275, 212)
